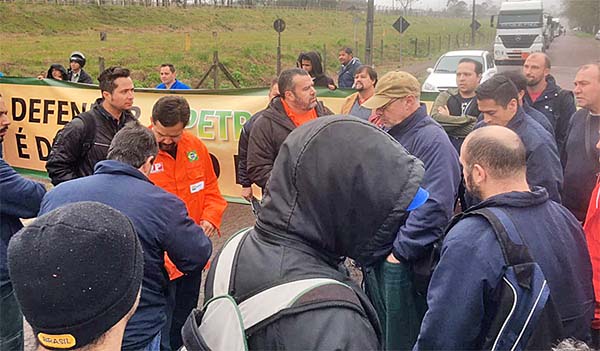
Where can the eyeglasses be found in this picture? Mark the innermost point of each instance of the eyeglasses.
(387, 104)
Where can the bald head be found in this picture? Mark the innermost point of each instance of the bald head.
(542, 58)
(498, 150)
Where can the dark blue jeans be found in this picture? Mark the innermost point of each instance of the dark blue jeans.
(11, 322)
(399, 307)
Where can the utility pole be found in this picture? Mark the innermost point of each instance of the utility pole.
(369, 39)
(473, 25)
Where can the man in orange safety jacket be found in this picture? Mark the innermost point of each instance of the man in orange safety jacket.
(183, 167)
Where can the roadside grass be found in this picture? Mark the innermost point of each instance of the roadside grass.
(36, 35)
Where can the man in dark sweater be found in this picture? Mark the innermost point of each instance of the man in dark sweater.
(580, 158)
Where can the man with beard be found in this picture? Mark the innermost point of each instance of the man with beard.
(456, 109)
(184, 168)
(580, 158)
(295, 105)
(365, 79)
(19, 198)
(498, 101)
(85, 140)
(543, 94)
(463, 296)
(160, 219)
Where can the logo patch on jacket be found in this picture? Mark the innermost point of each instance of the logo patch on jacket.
(192, 156)
(157, 168)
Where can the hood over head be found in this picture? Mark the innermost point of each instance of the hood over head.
(342, 186)
(315, 59)
(59, 67)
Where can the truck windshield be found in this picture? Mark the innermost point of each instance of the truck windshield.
(449, 64)
(521, 19)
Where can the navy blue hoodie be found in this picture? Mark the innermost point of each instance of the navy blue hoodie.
(163, 225)
(424, 138)
(460, 295)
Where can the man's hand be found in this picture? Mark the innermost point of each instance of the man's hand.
(331, 86)
(247, 193)
(392, 259)
(208, 228)
(443, 110)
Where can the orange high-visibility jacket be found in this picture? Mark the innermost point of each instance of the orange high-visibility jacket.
(592, 234)
(190, 177)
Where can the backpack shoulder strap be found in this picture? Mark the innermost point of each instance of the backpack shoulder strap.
(224, 267)
(89, 134)
(513, 249)
(269, 302)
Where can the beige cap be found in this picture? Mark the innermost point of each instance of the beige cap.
(393, 85)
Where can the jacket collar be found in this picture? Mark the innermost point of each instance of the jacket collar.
(117, 167)
(125, 115)
(517, 120)
(520, 199)
(409, 122)
(276, 113)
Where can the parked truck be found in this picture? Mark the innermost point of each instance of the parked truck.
(519, 31)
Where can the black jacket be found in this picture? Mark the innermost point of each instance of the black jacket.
(83, 77)
(65, 161)
(266, 137)
(241, 177)
(317, 74)
(580, 161)
(327, 198)
(558, 105)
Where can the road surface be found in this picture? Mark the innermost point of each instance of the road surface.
(567, 54)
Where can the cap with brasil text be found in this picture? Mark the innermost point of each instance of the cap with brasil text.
(393, 85)
(76, 272)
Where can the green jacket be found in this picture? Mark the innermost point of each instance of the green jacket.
(455, 125)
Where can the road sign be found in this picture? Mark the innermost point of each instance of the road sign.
(279, 25)
(401, 25)
(475, 25)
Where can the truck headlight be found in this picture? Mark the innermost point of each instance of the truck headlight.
(538, 39)
(498, 40)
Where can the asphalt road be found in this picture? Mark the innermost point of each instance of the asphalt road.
(567, 54)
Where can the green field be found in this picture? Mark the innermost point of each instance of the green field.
(35, 35)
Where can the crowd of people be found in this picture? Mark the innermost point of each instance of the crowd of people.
(475, 224)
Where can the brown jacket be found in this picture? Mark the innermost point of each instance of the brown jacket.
(266, 137)
(347, 106)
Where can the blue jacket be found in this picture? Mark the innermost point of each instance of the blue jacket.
(176, 85)
(558, 105)
(543, 161)
(471, 268)
(346, 74)
(426, 139)
(162, 224)
(538, 117)
(19, 198)
(580, 160)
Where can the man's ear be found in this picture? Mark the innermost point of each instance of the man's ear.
(147, 166)
(478, 174)
(105, 95)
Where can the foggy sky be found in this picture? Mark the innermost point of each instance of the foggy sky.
(549, 5)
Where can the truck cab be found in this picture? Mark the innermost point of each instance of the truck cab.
(519, 31)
